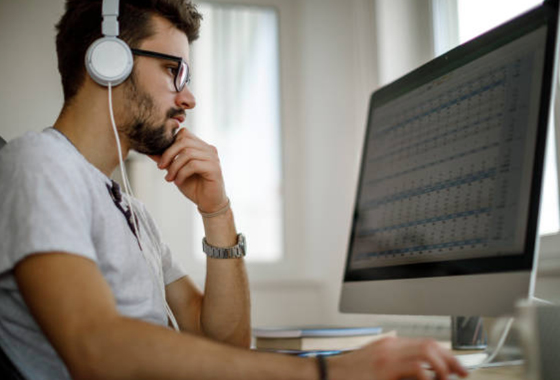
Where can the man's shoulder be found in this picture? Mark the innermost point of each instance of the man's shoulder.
(31, 146)
(37, 152)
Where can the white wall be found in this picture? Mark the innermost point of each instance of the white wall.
(31, 94)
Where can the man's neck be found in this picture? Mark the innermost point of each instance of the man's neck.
(87, 124)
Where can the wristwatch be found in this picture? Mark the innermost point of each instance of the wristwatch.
(235, 252)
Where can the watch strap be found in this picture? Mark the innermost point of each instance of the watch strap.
(235, 252)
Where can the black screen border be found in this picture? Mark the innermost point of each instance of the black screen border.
(544, 15)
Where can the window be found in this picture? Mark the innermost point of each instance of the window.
(478, 16)
(458, 21)
(236, 82)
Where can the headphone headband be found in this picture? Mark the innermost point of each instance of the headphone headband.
(110, 13)
(109, 59)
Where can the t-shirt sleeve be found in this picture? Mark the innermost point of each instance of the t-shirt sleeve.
(172, 269)
(45, 207)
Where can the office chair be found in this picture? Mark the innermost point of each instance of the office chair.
(8, 371)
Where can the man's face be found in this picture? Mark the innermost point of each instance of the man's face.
(153, 109)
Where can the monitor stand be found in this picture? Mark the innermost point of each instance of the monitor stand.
(467, 333)
(507, 350)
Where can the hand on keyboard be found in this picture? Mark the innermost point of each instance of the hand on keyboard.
(395, 359)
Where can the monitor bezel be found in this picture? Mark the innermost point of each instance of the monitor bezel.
(544, 15)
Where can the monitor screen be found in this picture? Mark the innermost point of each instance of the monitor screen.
(451, 169)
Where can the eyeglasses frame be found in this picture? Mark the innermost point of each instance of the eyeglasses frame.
(179, 60)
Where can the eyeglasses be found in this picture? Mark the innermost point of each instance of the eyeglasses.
(182, 72)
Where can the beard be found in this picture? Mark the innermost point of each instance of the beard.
(143, 133)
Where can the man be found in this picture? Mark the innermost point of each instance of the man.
(84, 285)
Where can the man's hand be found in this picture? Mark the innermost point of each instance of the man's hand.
(394, 359)
(194, 166)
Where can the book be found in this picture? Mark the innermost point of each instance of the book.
(305, 353)
(317, 338)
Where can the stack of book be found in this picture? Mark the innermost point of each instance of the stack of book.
(317, 338)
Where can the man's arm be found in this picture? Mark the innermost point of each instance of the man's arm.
(74, 306)
(223, 312)
(226, 308)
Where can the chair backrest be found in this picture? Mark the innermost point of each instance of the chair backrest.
(7, 368)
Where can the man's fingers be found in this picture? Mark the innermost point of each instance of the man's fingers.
(191, 168)
(447, 359)
(169, 155)
(438, 364)
(441, 360)
(184, 139)
(412, 370)
(184, 157)
(456, 367)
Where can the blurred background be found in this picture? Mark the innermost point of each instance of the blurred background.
(282, 90)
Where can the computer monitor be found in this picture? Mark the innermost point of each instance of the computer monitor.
(447, 205)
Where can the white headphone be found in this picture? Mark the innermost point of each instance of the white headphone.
(109, 59)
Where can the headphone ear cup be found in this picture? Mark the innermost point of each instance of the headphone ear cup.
(109, 60)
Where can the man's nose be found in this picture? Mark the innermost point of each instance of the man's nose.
(185, 99)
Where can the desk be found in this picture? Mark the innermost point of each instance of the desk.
(498, 373)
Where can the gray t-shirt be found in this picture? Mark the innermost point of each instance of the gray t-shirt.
(53, 199)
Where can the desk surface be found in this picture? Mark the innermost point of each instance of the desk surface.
(498, 373)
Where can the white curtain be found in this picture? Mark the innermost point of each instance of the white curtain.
(236, 83)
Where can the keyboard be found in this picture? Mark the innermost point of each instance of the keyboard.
(471, 361)
(474, 361)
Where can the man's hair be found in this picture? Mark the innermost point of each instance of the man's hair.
(80, 26)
